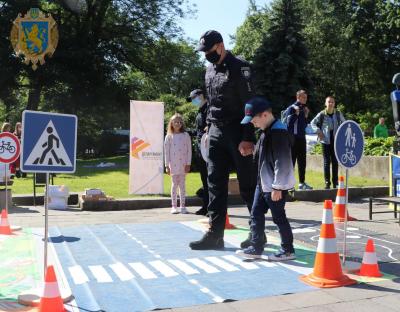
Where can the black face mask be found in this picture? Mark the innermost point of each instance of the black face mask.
(213, 57)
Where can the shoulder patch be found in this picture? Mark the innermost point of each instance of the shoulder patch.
(246, 72)
(279, 125)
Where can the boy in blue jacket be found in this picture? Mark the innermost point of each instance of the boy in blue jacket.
(274, 177)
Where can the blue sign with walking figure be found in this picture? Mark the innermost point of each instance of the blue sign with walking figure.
(48, 142)
(349, 144)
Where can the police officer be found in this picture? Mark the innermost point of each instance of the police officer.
(197, 98)
(228, 86)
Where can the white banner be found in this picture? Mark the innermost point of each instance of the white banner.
(146, 166)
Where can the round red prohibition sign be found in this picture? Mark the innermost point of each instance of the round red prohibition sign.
(9, 147)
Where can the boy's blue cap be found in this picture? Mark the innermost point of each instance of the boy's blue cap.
(254, 106)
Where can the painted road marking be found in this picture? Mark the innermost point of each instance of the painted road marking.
(240, 262)
(100, 274)
(203, 265)
(122, 271)
(222, 264)
(163, 268)
(78, 275)
(205, 290)
(142, 270)
(184, 267)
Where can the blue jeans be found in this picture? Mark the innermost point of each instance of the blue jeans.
(262, 202)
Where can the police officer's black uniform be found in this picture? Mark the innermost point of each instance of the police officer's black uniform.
(228, 87)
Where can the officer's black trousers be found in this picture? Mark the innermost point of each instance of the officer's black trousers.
(203, 175)
(223, 150)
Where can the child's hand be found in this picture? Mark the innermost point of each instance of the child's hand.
(167, 169)
(276, 195)
(187, 168)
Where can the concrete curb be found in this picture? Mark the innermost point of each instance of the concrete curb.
(162, 202)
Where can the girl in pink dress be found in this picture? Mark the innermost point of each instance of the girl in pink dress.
(178, 157)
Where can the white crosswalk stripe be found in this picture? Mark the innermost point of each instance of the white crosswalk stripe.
(184, 267)
(122, 271)
(78, 275)
(222, 264)
(240, 262)
(142, 270)
(163, 268)
(203, 265)
(168, 268)
(100, 274)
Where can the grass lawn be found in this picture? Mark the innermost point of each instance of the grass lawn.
(114, 181)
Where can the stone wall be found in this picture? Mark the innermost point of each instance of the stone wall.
(373, 167)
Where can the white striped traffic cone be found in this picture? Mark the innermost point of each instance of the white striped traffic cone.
(340, 204)
(369, 266)
(327, 268)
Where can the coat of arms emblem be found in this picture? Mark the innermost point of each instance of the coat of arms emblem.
(34, 35)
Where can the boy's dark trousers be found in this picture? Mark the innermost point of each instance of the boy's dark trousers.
(261, 204)
(328, 152)
(299, 153)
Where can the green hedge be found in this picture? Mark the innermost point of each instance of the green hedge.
(373, 147)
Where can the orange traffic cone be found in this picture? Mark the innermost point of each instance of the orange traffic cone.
(228, 225)
(340, 204)
(4, 225)
(51, 300)
(369, 266)
(327, 268)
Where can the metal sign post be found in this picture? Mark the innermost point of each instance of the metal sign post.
(349, 148)
(5, 179)
(46, 223)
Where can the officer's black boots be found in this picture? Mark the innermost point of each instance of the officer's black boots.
(202, 211)
(247, 242)
(208, 241)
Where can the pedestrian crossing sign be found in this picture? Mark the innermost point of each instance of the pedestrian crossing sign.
(48, 142)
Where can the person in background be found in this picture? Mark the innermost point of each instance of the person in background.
(197, 98)
(178, 157)
(275, 177)
(16, 164)
(228, 83)
(326, 124)
(6, 127)
(380, 130)
(297, 123)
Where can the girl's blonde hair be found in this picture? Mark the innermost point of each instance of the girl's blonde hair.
(6, 127)
(16, 128)
(170, 128)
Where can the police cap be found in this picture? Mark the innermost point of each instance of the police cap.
(208, 39)
(193, 94)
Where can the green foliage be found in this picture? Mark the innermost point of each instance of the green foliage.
(281, 61)
(372, 147)
(250, 34)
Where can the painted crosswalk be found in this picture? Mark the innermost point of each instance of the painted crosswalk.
(159, 269)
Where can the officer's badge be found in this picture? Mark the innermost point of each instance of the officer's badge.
(246, 72)
(34, 35)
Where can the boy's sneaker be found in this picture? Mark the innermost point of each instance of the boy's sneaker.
(184, 210)
(305, 186)
(250, 252)
(282, 256)
(174, 210)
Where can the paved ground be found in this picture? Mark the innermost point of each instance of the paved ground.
(379, 296)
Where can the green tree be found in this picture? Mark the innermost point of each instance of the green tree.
(250, 34)
(281, 61)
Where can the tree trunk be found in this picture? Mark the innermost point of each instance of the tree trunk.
(34, 96)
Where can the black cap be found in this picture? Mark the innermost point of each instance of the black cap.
(256, 105)
(193, 94)
(208, 39)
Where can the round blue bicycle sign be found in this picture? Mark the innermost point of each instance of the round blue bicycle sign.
(349, 144)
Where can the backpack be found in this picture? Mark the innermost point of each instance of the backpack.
(322, 116)
(285, 115)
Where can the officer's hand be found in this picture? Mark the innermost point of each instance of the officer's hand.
(187, 168)
(306, 111)
(321, 135)
(167, 169)
(297, 110)
(246, 148)
(276, 195)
